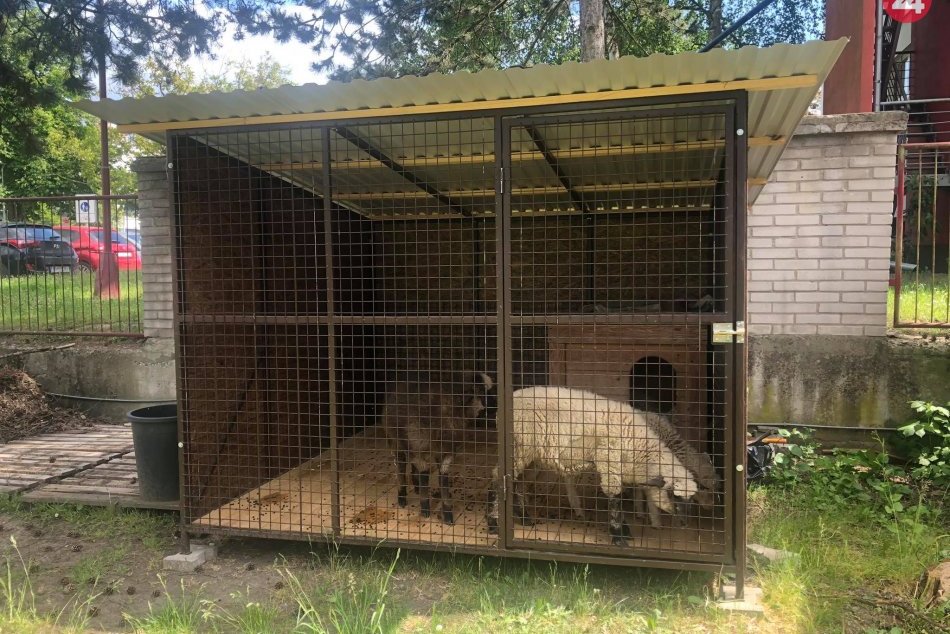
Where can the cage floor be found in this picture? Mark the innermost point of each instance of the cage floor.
(299, 501)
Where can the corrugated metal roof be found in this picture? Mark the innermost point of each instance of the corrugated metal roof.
(775, 104)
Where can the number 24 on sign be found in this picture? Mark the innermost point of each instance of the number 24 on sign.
(907, 10)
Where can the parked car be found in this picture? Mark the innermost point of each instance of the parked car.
(31, 248)
(87, 241)
(135, 237)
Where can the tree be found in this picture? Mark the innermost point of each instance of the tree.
(791, 21)
(364, 38)
(593, 35)
(75, 33)
(159, 79)
(424, 36)
(46, 148)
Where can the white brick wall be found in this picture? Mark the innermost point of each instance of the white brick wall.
(819, 233)
(156, 227)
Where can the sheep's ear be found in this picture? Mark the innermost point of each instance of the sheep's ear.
(655, 482)
(485, 380)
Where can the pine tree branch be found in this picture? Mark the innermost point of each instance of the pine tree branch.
(548, 18)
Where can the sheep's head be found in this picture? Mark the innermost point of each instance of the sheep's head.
(481, 386)
(705, 498)
(676, 489)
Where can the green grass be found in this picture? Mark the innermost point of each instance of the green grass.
(841, 556)
(18, 611)
(97, 522)
(68, 303)
(842, 559)
(94, 570)
(923, 301)
(179, 613)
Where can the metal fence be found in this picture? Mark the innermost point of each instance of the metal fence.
(922, 236)
(62, 273)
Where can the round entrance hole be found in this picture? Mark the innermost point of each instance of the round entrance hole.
(653, 385)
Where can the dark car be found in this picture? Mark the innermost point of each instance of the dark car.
(30, 248)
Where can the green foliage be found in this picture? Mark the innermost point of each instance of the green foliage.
(159, 79)
(926, 442)
(355, 606)
(74, 33)
(46, 147)
(790, 21)
(868, 481)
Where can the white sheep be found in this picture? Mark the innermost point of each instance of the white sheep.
(570, 430)
(698, 463)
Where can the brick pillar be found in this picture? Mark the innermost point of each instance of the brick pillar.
(820, 231)
(156, 228)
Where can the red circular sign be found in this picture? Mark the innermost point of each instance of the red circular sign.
(907, 10)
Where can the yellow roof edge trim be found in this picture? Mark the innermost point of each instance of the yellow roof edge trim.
(750, 85)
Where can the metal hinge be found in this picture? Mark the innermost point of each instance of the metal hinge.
(723, 332)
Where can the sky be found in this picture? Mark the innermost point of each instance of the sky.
(294, 56)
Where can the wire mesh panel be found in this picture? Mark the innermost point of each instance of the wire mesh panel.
(253, 336)
(395, 330)
(619, 233)
(416, 334)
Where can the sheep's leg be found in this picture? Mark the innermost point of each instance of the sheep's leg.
(519, 510)
(652, 496)
(612, 486)
(425, 502)
(494, 497)
(416, 481)
(573, 498)
(402, 460)
(445, 490)
(615, 523)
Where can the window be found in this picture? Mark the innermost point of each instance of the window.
(117, 238)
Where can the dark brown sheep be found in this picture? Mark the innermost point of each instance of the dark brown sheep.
(425, 420)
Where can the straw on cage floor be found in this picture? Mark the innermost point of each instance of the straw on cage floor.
(300, 501)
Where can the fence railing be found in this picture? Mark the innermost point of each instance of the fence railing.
(61, 273)
(922, 236)
(928, 120)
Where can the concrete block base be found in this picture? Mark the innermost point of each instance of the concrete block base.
(189, 562)
(767, 555)
(751, 603)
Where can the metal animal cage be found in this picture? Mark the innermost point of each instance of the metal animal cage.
(363, 307)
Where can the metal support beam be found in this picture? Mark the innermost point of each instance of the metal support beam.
(393, 165)
(551, 160)
(579, 201)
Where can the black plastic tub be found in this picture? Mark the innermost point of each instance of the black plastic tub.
(155, 436)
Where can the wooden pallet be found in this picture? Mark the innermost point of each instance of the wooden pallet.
(29, 463)
(300, 502)
(112, 483)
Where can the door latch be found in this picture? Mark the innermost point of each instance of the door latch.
(724, 332)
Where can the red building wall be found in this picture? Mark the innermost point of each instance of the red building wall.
(850, 86)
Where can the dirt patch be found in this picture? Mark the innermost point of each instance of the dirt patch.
(25, 411)
(108, 578)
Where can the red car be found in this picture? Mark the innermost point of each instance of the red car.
(87, 241)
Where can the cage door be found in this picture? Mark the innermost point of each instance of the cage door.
(620, 242)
